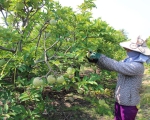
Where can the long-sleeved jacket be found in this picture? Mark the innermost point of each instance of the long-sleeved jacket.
(129, 79)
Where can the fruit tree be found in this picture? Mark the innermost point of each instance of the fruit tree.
(44, 44)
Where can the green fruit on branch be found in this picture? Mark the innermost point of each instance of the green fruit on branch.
(60, 79)
(51, 79)
(37, 82)
(88, 54)
(52, 21)
(70, 71)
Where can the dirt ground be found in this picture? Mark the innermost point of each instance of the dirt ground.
(75, 107)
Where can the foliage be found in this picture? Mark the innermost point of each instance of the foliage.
(144, 105)
(101, 107)
(42, 38)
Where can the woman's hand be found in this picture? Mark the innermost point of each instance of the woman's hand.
(93, 57)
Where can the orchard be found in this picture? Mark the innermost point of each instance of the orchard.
(43, 49)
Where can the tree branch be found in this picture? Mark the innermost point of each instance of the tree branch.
(5, 17)
(6, 49)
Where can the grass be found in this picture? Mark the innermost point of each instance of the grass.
(144, 106)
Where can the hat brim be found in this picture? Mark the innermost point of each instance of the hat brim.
(145, 51)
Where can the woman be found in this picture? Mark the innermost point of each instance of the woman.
(130, 72)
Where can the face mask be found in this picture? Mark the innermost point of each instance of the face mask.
(148, 61)
(132, 54)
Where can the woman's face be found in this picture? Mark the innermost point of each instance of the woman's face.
(127, 50)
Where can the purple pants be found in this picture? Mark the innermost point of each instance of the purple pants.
(125, 112)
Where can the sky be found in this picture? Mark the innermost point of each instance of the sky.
(130, 15)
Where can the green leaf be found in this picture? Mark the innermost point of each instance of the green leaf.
(18, 109)
(57, 63)
(6, 107)
(24, 97)
(1, 110)
(92, 82)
